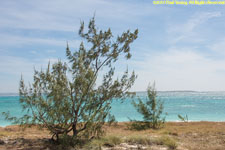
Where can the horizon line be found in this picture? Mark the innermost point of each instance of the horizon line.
(146, 91)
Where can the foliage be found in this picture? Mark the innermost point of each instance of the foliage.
(151, 110)
(65, 97)
(183, 118)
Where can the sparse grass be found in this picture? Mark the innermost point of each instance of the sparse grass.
(167, 141)
(143, 140)
(112, 140)
(4, 133)
(146, 140)
(191, 136)
(108, 141)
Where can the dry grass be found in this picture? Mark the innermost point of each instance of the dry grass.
(179, 135)
(139, 140)
(168, 141)
(191, 135)
(107, 141)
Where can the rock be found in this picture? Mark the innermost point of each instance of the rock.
(2, 142)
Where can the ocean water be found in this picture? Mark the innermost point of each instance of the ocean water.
(198, 106)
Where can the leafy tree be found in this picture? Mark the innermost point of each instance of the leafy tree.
(151, 109)
(65, 98)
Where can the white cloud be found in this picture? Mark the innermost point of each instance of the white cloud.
(17, 65)
(33, 52)
(180, 69)
(12, 67)
(51, 51)
(186, 31)
(27, 15)
(173, 69)
(7, 40)
(66, 15)
(218, 47)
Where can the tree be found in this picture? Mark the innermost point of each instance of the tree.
(66, 98)
(151, 110)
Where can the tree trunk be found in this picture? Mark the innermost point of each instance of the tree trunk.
(74, 130)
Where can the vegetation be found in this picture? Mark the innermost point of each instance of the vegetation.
(151, 109)
(138, 139)
(191, 136)
(108, 141)
(65, 98)
(166, 140)
(183, 118)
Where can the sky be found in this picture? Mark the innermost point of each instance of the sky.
(178, 47)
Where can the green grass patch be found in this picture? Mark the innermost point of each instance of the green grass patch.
(167, 141)
(142, 140)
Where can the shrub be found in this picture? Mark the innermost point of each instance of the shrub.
(167, 141)
(65, 97)
(151, 110)
(139, 140)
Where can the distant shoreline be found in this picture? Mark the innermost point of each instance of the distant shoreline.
(124, 122)
(17, 94)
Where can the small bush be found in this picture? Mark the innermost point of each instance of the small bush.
(167, 141)
(138, 140)
(95, 144)
(112, 141)
(151, 109)
(66, 141)
(137, 125)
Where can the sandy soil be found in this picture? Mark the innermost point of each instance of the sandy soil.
(189, 136)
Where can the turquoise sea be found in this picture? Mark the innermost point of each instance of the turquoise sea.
(199, 106)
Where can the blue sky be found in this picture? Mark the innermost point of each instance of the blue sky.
(179, 47)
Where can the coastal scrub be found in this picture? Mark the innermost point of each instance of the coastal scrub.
(151, 109)
(65, 98)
